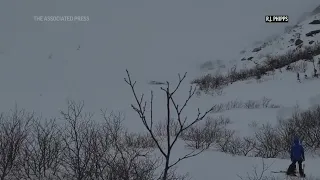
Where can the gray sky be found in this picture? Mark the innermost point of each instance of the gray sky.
(140, 35)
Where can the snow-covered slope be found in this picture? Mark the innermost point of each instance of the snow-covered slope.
(294, 38)
(281, 86)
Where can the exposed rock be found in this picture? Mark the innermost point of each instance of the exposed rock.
(250, 58)
(311, 33)
(291, 41)
(243, 59)
(298, 42)
(256, 49)
(315, 22)
(311, 42)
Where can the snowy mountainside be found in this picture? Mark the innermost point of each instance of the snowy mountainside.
(281, 86)
(301, 35)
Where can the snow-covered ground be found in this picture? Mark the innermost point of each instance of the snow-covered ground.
(45, 63)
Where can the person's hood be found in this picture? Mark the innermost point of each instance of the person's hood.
(296, 141)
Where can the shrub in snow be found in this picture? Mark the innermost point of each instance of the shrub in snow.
(214, 133)
(237, 146)
(139, 140)
(224, 143)
(250, 104)
(267, 142)
(206, 134)
(161, 128)
(275, 141)
(307, 124)
(210, 82)
(33, 148)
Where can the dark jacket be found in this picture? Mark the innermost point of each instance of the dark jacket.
(297, 151)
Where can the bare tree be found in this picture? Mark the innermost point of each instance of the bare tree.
(267, 142)
(78, 139)
(42, 151)
(123, 160)
(140, 108)
(14, 129)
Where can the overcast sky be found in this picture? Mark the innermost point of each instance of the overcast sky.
(137, 34)
(180, 27)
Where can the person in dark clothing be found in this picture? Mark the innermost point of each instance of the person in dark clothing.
(296, 155)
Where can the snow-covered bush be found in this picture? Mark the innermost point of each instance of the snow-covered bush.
(305, 124)
(275, 141)
(268, 142)
(237, 145)
(140, 140)
(249, 104)
(211, 82)
(206, 134)
(161, 128)
(34, 148)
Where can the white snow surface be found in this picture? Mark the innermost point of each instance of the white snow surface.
(41, 66)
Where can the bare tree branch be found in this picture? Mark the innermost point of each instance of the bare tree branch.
(140, 110)
(181, 122)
